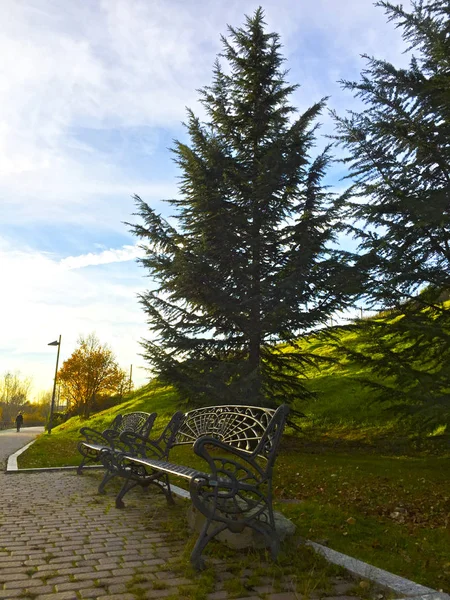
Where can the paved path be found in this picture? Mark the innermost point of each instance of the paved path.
(11, 441)
(60, 540)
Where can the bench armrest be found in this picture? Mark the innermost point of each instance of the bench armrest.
(139, 445)
(237, 490)
(111, 434)
(238, 467)
(97, 437)
(201, 449)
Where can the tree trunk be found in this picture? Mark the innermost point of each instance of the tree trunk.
(254, 358)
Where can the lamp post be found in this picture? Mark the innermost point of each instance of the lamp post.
(50, 421)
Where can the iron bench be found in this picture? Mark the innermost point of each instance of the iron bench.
(95, 442)
(235, 489)
(136, 444)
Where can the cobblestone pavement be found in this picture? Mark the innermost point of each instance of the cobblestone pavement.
(60, 540)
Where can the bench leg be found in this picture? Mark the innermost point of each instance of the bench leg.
(206, 535)
(88, 456)
(81, 465)
(127, 486)
(270, 535)
(203, 539)
(107, 477)
(159, 479)
(163, 483)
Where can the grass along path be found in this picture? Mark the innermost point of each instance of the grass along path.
(390, 511)
(359, 477)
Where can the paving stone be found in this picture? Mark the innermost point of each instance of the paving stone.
(43, 589)
(6, 564)
(343, 597)
(118, 579)
(12, 570)
(57, 578)
(175, 581)
(93, 592)
(132, 563)
(150, 594)
(74, 585)
(22, 584)
(117, 597)
(21, 576)
(283, 596)
(342, 588)
(74, 570)
(263, 589)
(123, 572)
(93, 552)
(118, 588)
(93, 575)
(11, 594)
(58, 596)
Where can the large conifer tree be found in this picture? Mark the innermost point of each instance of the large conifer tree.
(248, 265)
(400, 163)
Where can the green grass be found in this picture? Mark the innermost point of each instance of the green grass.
(60, 448)
(389, 511)
(357, 477)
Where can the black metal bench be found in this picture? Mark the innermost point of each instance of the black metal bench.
(95, 442)
(235, 489)
(135, 444)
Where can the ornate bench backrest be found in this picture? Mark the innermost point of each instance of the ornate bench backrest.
(135, 422)
(167, 438)
(240, 426)
(270, 441)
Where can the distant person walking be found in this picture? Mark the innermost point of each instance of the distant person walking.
(19, 421)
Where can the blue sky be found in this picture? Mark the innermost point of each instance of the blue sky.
(92, 95)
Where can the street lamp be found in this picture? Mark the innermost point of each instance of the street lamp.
(50, 421)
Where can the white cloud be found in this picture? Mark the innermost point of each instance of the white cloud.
(137, 63)
(43, 297)
(106, 257)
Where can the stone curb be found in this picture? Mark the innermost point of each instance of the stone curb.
(409, 590)
(12, 467)
(400, 585)
(12, 459)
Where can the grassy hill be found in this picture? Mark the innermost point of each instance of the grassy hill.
(357, 477)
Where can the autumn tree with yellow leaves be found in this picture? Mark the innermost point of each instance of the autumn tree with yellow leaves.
(90, 371)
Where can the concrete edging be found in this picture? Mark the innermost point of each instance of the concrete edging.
(409, 590)
(400, 585)
(12, 459)
(12, 467)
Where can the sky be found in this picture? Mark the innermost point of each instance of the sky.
(92, 95)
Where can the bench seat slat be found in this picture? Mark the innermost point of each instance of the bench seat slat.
(167, 467)
(98, 447)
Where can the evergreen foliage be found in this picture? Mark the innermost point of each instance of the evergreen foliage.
(248, 264)
(399, 162)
